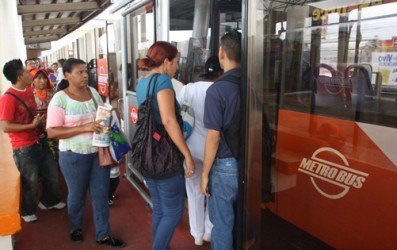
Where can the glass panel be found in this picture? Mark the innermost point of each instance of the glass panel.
(323, 96)
(82, 48)
(114, 54)
(189, 32)
(140, 36)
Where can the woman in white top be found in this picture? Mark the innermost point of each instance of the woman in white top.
(193, 95)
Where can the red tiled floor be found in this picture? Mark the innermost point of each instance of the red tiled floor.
(130, 220)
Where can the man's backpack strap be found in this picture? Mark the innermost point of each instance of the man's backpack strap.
(236, 79)
(232, 133)
(23, 103)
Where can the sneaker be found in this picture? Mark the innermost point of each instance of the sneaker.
(76, 236)
(29, 218)
(59, 205)
(198, 242)
(111, 242)
(207, 237)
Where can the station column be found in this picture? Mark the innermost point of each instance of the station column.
(12, 45)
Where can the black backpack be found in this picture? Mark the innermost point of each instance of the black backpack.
(154, 154)
(232, 133)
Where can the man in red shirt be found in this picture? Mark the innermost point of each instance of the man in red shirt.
(31, 155)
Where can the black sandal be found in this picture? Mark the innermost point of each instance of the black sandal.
(76, 236)
(111, 242)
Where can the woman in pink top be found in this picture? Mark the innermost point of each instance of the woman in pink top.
(71, 119)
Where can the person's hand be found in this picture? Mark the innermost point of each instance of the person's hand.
(190, 167)
(38, 119)
(92, 127)
(204, 185)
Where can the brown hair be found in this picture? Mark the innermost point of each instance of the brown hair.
(156, 55)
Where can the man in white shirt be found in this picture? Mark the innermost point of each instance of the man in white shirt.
(194, 95)
(60, 75)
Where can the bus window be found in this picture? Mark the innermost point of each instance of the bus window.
(140, 36)
(333, 65)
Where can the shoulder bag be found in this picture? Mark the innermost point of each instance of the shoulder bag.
(40, 127)
(154, 154)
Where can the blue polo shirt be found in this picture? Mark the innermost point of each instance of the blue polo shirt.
(220, 105)
(163, 82)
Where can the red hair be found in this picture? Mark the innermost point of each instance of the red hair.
(156, 55)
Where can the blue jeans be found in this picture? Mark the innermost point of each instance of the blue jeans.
(168, 197)
(223, 193)
(33, 162)
(82, 171)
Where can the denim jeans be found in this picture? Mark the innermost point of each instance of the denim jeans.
(34, 162)
(223, 188)
(82, 171)
(168, 197)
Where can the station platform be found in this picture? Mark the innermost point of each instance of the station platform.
(130, 220)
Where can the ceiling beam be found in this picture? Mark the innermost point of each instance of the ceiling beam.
(41, 39)
(44, 32)
(56, 7)
(54, 21)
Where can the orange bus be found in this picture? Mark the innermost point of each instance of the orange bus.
(322, 92)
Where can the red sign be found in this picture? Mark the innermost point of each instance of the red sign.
(133, 114)
(103, 83)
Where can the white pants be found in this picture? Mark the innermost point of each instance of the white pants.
(199, 221)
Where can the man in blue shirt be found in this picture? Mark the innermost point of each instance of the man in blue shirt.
(220, 166)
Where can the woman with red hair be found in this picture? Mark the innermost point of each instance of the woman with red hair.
(167, 188)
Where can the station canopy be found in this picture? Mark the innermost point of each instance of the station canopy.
(44, 21)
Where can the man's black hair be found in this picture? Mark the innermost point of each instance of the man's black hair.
(12, 70)
(70, 63)
(30, 59)
(63, 84)
(231, 44)
(61, 62)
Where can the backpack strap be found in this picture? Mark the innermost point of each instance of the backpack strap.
(236, 79)
(231, 134)
(23, 103)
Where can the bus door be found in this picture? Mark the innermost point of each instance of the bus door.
(137, 36)
(328, 120)
(196, 27)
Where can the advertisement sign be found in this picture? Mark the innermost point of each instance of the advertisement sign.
(102, 71)
(386, 64)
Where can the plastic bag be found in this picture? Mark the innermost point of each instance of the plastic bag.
(187, 112)
(119, 145)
